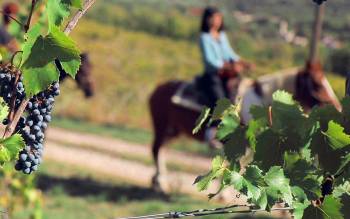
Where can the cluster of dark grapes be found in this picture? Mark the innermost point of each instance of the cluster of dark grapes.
(319, 2)
(33, 123)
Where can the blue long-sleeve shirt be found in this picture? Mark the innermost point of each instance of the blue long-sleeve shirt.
(216, 51)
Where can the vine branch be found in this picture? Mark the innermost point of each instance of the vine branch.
(73, 22)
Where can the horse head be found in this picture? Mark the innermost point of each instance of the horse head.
(313, 88)
(84, 77)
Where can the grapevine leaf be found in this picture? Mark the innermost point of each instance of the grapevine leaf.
(328, 158)
(228, 125)
(58, 10)
(299, 194)
(254, 175)
(259, 112)
(268, 141)
(236, 144)
(237, 180)
(32, 35)
(252, 192)
(201, 119)
(225, 181)
(221, 106)
(331, 208)
(279, 184)
(302, 173)
(262, 200)
(343, 189)
(255, 127)
(345, 164)
(336, 136)
(324, 114)
(56, 45)
(204, 181)
(298, 209)
(4, 110)
(287, 115)
(74, 3)
(10, 148)
(38, 79)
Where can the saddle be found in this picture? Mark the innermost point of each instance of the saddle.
(188, 95)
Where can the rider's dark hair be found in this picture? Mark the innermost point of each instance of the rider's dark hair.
(207, 14)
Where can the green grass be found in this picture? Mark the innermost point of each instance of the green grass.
(71, 193)
(135, 135)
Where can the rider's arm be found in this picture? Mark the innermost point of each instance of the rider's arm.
(229, 52)
(209, 54)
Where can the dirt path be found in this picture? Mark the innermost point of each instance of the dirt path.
(131, 171)
(113, 145)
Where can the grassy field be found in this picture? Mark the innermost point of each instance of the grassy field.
(71, 193)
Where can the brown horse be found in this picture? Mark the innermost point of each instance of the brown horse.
(83, 77)
(310, 87)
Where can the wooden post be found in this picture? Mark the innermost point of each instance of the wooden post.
(316, 32)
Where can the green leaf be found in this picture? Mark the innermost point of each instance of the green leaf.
(255, 127)
(336, 136)
(74, 3)
(254, 175)
(38, 79)
(221, 106)
(299, 208)
(204, 181)
(262, 201)
(201, 119)
(302, 173)
(259, 112)
(237, 180)
(324, 114)
(32, 35)
(56, 45)
(58, 10)
(4, 110)
(235, 146)
(228, 124)
(268, 141)
(283, 97)
(10, 147)
(299, 194)
(287, 116)
(278, 183)
(345, 164)
(331, 208)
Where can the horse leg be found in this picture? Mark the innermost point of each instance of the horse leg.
(158, 179)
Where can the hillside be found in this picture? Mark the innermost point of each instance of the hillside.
(126, 75)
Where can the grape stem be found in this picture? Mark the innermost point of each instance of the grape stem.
(10, 128)
(12, 18)
(27, 26)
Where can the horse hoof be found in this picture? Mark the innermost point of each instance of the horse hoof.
(156, 185)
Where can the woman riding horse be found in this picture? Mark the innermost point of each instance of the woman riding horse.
(221, 63)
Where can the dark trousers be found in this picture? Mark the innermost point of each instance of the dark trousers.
(213, 87)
